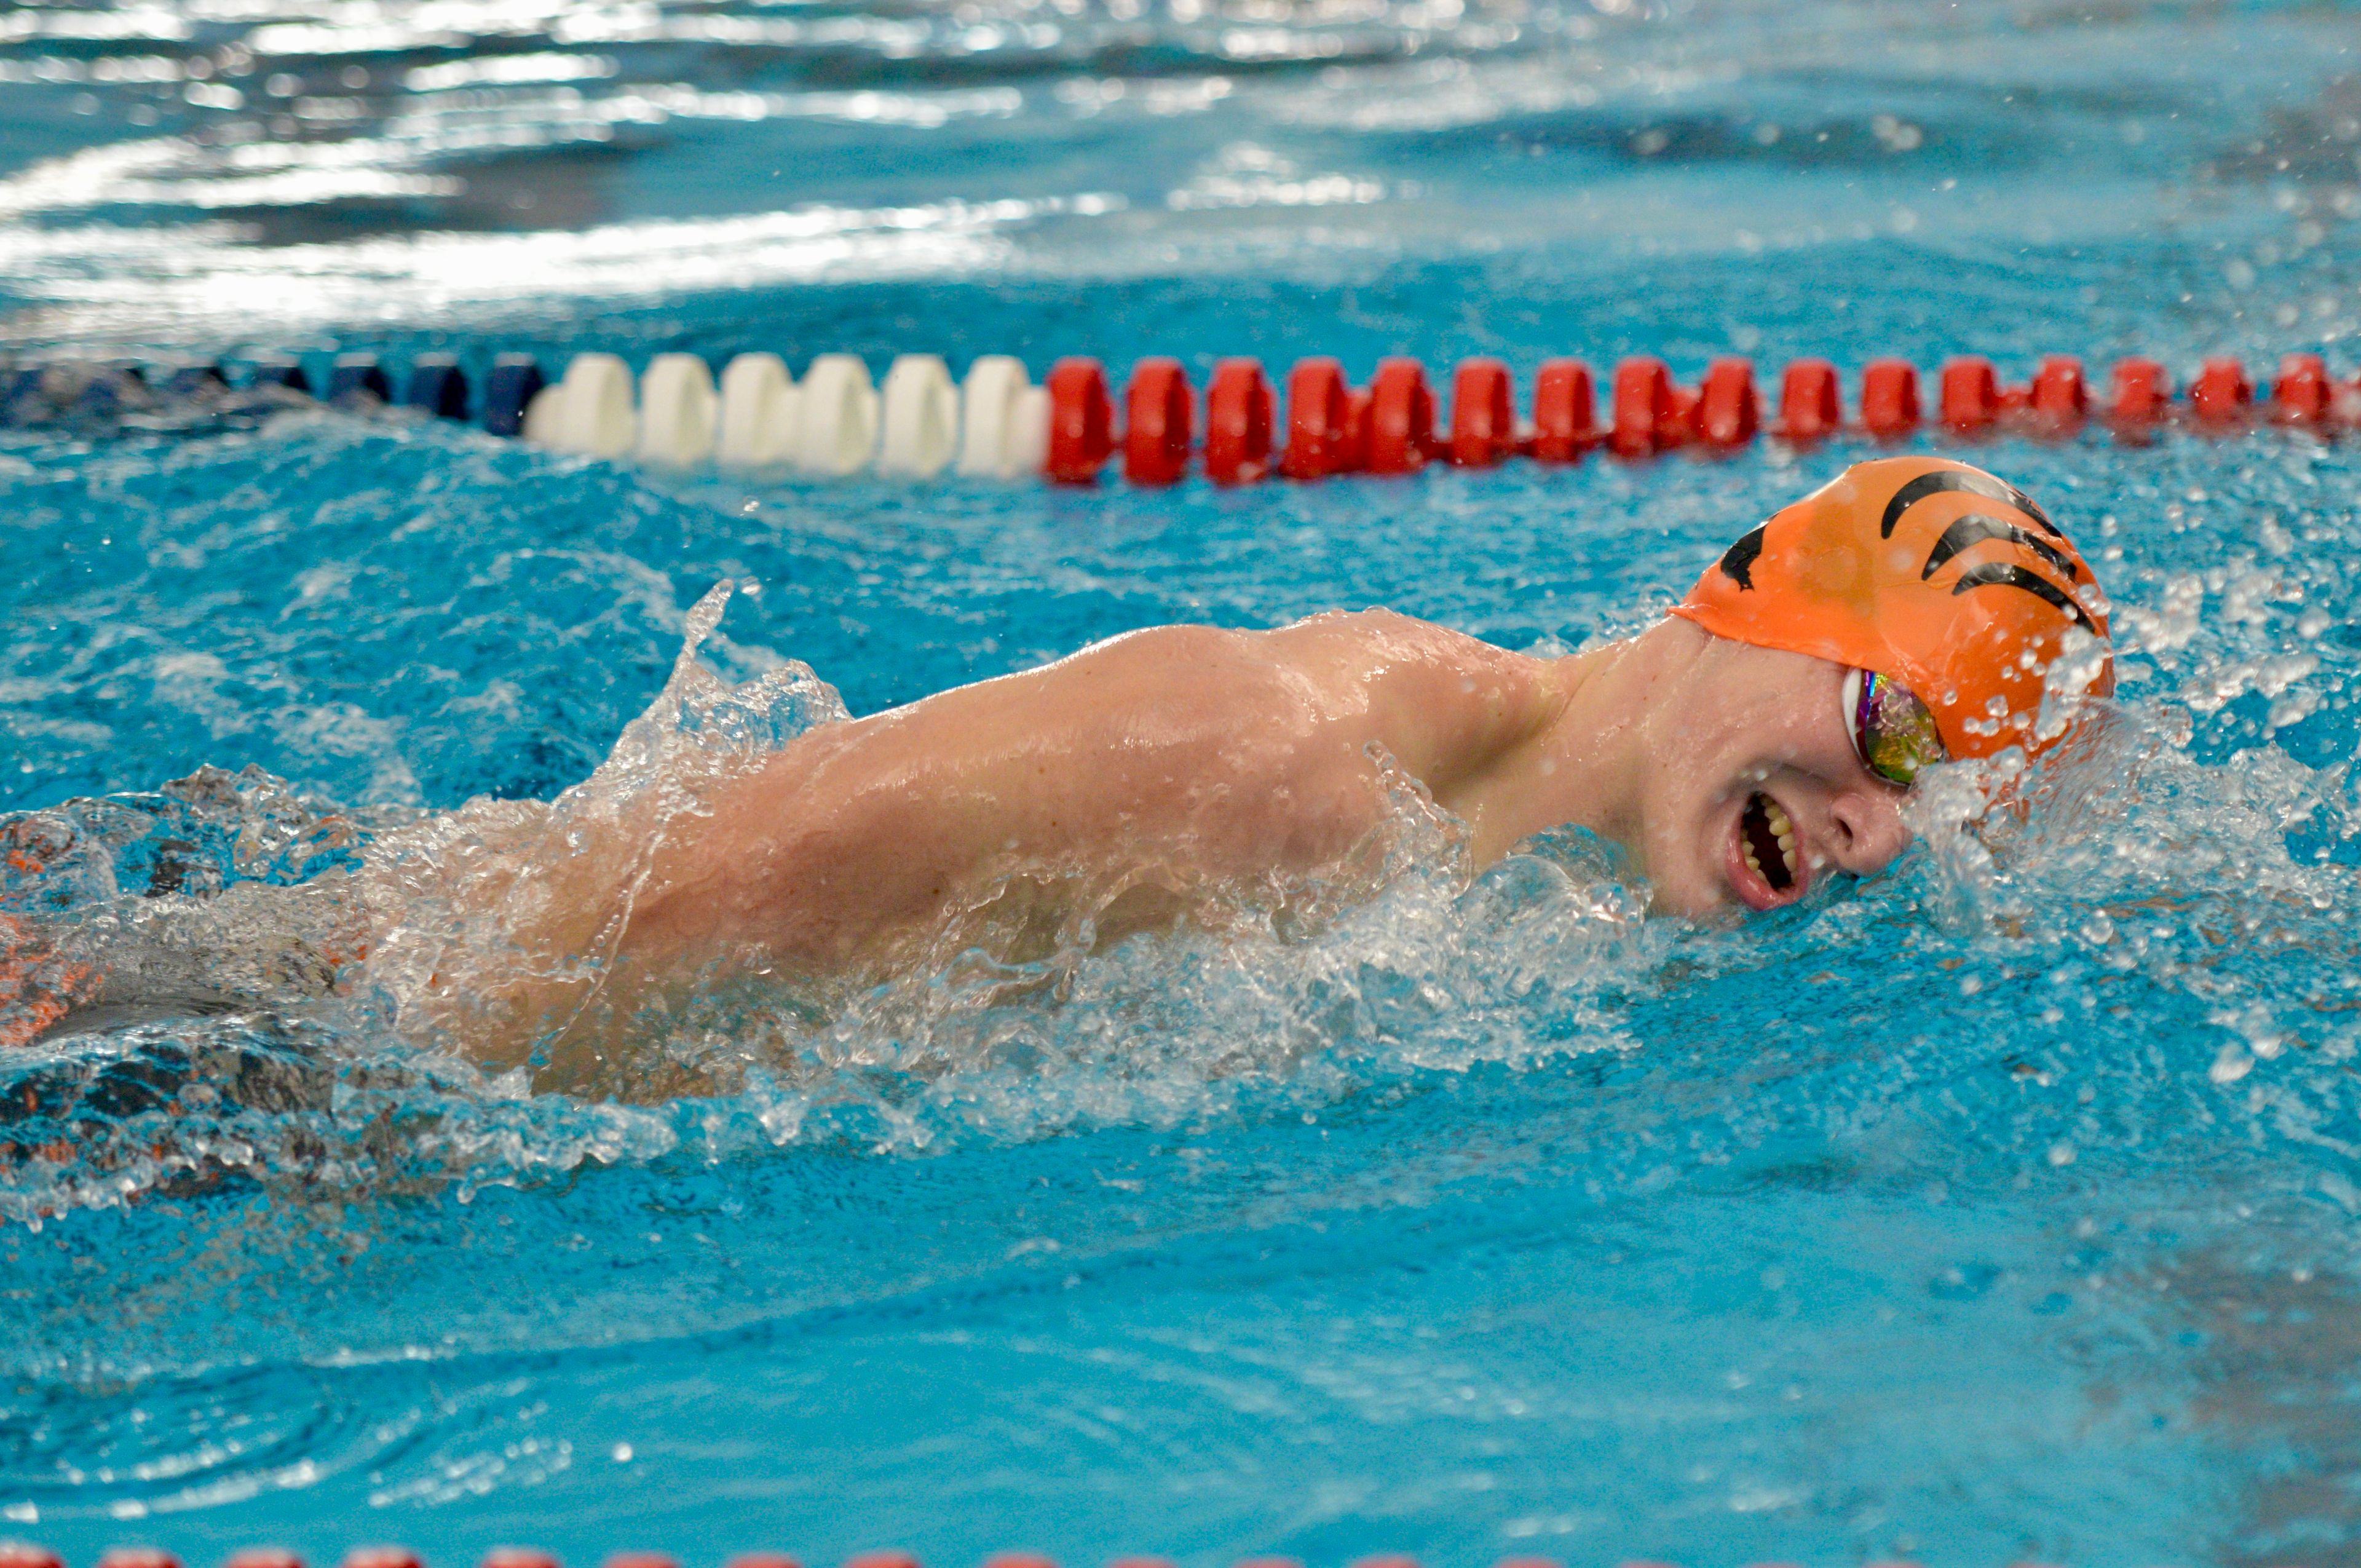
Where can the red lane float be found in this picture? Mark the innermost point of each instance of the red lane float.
(1082, 428)
(2059, 398)
(1889, 399)
(1970, 395)
(1401, 418)
(1811, 402)
(1730, 413)
(1159, 415)
(2221, 395)
(1319, 420)
(2303, 395)
(1566, 412)
(2142, 398)
(1647, 416)
(1240, 412)
(1483, 414)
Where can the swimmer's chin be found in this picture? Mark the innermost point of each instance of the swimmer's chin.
(1722, 913)
(1740, 894)
(1710, 904)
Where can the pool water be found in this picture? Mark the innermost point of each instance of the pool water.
(2002, 1207)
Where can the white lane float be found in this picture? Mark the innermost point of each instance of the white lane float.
(677, 411)
(589, 411)
(759, 404)
(1004, 420)
(836, 423)
(921, 417)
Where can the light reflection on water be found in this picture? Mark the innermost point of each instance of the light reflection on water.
(382, 161)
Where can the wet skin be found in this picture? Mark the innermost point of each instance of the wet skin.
(1159, 772)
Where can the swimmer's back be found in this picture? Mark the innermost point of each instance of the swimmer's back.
(1184, 751)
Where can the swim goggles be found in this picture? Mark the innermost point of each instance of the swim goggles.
(1892, 730)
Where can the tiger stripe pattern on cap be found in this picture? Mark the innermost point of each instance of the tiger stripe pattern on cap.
(1928, 570)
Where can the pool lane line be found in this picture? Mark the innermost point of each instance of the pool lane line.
(1072, 429)
(24, 1555)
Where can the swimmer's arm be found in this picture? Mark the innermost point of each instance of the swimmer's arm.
(1210, 753)
(1189, 751)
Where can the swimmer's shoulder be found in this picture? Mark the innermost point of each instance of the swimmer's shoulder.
(1373, 652)
(1393, 637)
(1442, 693)
(1376, 629)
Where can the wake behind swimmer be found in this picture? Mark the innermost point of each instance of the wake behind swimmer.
(1762, 736)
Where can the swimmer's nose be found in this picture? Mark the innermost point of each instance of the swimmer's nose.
(1865, 831)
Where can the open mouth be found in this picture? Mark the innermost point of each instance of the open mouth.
(1767, 840)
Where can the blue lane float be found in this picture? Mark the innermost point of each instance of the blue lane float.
(515, 381)
(437, 386)
(358, 376)
(287, 374)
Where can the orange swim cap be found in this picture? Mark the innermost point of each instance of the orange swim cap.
(1925, 570)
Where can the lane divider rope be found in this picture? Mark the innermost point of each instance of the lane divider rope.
(23, 1555)
(1071, 429)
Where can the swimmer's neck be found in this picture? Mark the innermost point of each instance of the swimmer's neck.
(1583, 759)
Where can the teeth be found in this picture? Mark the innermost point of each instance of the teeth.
(1783, 830)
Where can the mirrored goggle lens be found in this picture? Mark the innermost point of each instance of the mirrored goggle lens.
(1893, 730)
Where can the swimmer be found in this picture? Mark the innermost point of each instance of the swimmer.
(1760, 738)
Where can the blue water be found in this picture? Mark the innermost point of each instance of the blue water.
(2002, 1208)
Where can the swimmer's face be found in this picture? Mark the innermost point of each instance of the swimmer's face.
(1753, 789)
